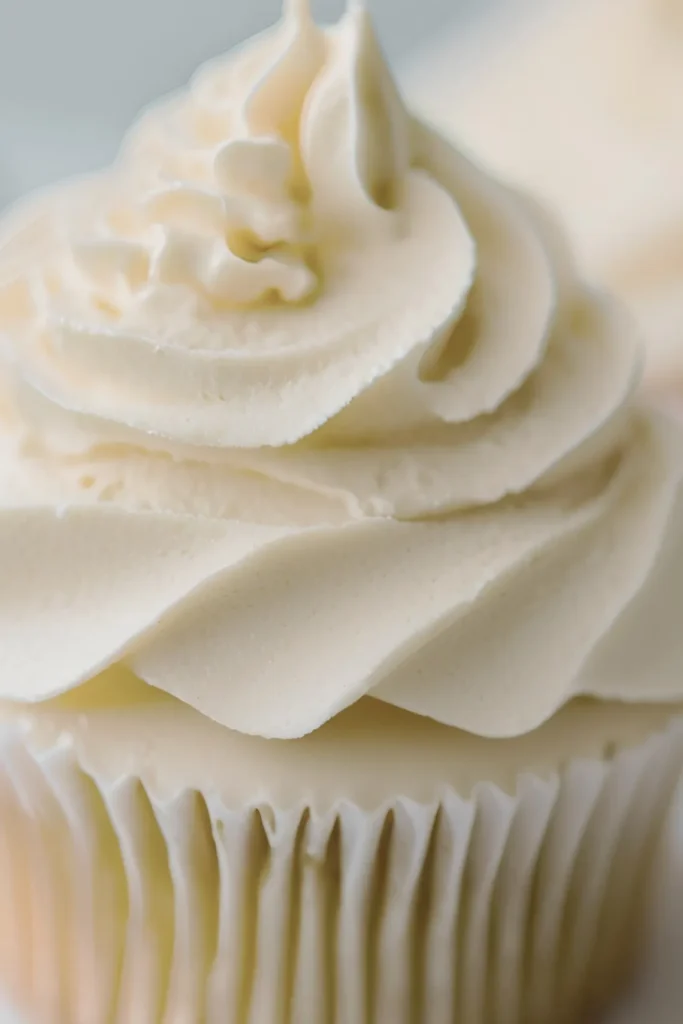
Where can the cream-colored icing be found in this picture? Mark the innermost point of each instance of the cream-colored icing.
(119, 728)
(298, 406)
(580, 101)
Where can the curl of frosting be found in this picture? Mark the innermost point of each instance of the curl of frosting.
(296, 406)
(578, 77)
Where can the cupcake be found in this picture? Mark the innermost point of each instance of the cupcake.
(579, 100)
(341, 654)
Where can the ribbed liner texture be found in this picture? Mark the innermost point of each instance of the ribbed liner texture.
(116, 906)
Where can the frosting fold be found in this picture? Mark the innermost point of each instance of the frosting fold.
(578, 77)
(296, 406)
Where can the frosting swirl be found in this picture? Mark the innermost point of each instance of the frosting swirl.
(297, 406)
(598, 77)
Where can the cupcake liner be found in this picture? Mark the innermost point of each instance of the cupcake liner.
(119, 905)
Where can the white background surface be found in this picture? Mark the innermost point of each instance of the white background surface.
(72, 75)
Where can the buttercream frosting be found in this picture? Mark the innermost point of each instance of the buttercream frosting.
(580, 102)
(298, 406)
(119, 728)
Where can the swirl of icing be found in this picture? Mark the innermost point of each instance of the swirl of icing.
(298, 406)
(532, 117)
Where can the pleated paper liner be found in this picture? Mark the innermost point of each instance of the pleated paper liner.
(117, 906)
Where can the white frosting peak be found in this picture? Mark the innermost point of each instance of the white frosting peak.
(355, 131)
(296, 406)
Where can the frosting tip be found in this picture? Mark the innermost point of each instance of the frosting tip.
(297, 10)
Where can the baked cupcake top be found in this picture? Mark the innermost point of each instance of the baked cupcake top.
(299, 406)
(581, 102)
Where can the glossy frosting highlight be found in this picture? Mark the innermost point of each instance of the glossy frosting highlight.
(297, 406)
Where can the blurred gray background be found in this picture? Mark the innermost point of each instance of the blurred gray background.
(73, 73)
